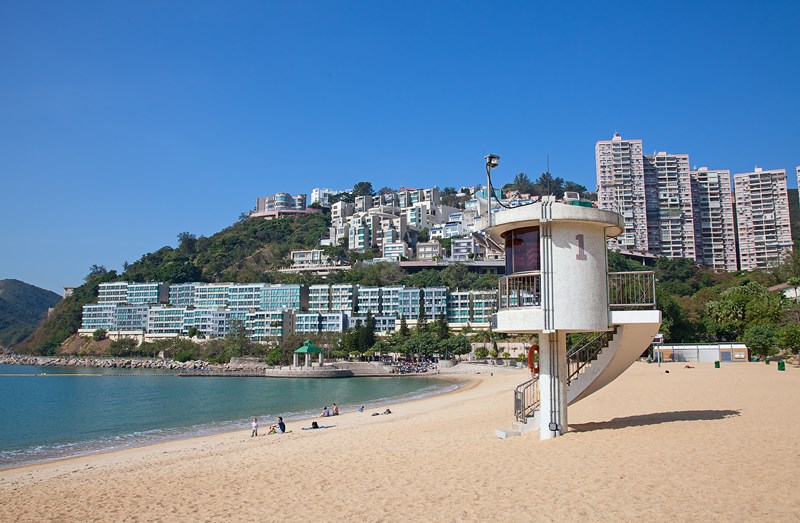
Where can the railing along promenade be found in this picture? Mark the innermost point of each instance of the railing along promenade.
(626, 290)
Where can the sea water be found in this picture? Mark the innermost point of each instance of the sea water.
(55, 412)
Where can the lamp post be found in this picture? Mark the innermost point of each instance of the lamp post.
(491, 162)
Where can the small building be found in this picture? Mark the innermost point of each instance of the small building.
(701, 352)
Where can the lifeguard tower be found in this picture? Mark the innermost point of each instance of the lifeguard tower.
(557, 283)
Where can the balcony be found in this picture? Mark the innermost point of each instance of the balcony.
(626, 290)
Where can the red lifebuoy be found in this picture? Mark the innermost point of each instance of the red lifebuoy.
(533, 358)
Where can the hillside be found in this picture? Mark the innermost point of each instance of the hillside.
(244, 252)
(22, 308)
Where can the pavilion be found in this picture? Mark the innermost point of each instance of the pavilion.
(308, 349)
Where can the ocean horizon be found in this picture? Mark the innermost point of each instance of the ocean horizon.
(51, 413)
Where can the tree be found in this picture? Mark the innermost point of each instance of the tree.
(481, 353)
(523, 184)
(403, 330)
(96, 270)
(442, 329)
(193, 331)
(449, 197)
(789, 337)
(99, 335)
(760, 339)
(458, 345)
(424, 235)
(187, 241)
(794, 282)
(363, 189)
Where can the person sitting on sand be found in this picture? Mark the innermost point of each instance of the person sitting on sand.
(278, 428)
(335, 410)
(255, 428)
(325, 412)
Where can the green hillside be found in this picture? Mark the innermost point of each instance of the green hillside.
(247, 251)
(22, 308)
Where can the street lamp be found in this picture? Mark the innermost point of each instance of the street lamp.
(491, 162)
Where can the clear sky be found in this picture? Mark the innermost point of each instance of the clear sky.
(123, 124)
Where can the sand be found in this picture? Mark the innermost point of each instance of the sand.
(689, 445)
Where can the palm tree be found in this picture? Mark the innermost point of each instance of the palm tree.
(794, 282)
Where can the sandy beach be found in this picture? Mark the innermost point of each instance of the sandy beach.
(689, 445)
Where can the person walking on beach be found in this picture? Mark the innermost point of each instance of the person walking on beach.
(278, 428)
(255, 428)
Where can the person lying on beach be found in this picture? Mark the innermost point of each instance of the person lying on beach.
(278, 428)
(361, 408)
(325, 412)
(335, 410)
(387, 411)
(315, 425)
(255, 428)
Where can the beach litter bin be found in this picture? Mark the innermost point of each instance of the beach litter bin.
(781, 365)
(716, 364)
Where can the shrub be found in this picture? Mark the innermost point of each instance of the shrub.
(99, 335)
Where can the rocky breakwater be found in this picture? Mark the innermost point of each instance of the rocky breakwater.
(105, 363)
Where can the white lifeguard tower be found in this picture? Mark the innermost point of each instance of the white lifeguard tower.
(557, 282)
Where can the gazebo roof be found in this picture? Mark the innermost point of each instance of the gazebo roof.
(308, 348)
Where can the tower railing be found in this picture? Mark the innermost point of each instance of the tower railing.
(632, 290)
(522, 289)
(526, 399)
(626, 290)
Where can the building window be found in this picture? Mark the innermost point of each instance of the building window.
(522, 250)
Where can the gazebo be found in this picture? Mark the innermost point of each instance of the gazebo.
(308, 349)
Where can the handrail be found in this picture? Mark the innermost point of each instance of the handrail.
(582, 355)
(526, 399)
(632, 290)
(522, 289)
(626, 290)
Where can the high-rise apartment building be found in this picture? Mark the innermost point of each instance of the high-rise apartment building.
(713, 219)
(668, 204)
(621, 188)
(762, 218)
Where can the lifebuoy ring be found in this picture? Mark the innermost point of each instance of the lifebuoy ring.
(533, 358)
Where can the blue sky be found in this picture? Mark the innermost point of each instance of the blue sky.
(123, 124)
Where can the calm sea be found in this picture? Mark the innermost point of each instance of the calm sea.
(55, 412)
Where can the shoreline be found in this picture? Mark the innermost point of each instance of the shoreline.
(694, 444)
(461, 382)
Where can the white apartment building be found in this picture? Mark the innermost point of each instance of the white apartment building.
(395, 250)
(429, 250)
(320, 195)
(762, 218)
(621, 188)
(669, 210)
(98, 316)
(112, 292)
(319, 298)
(165, 321)
(344, 298)
(309, 259)
(369, 300)
(464, 249)
(182, 294)
(713, 221)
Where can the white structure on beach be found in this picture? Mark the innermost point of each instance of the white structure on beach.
(557, 283)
